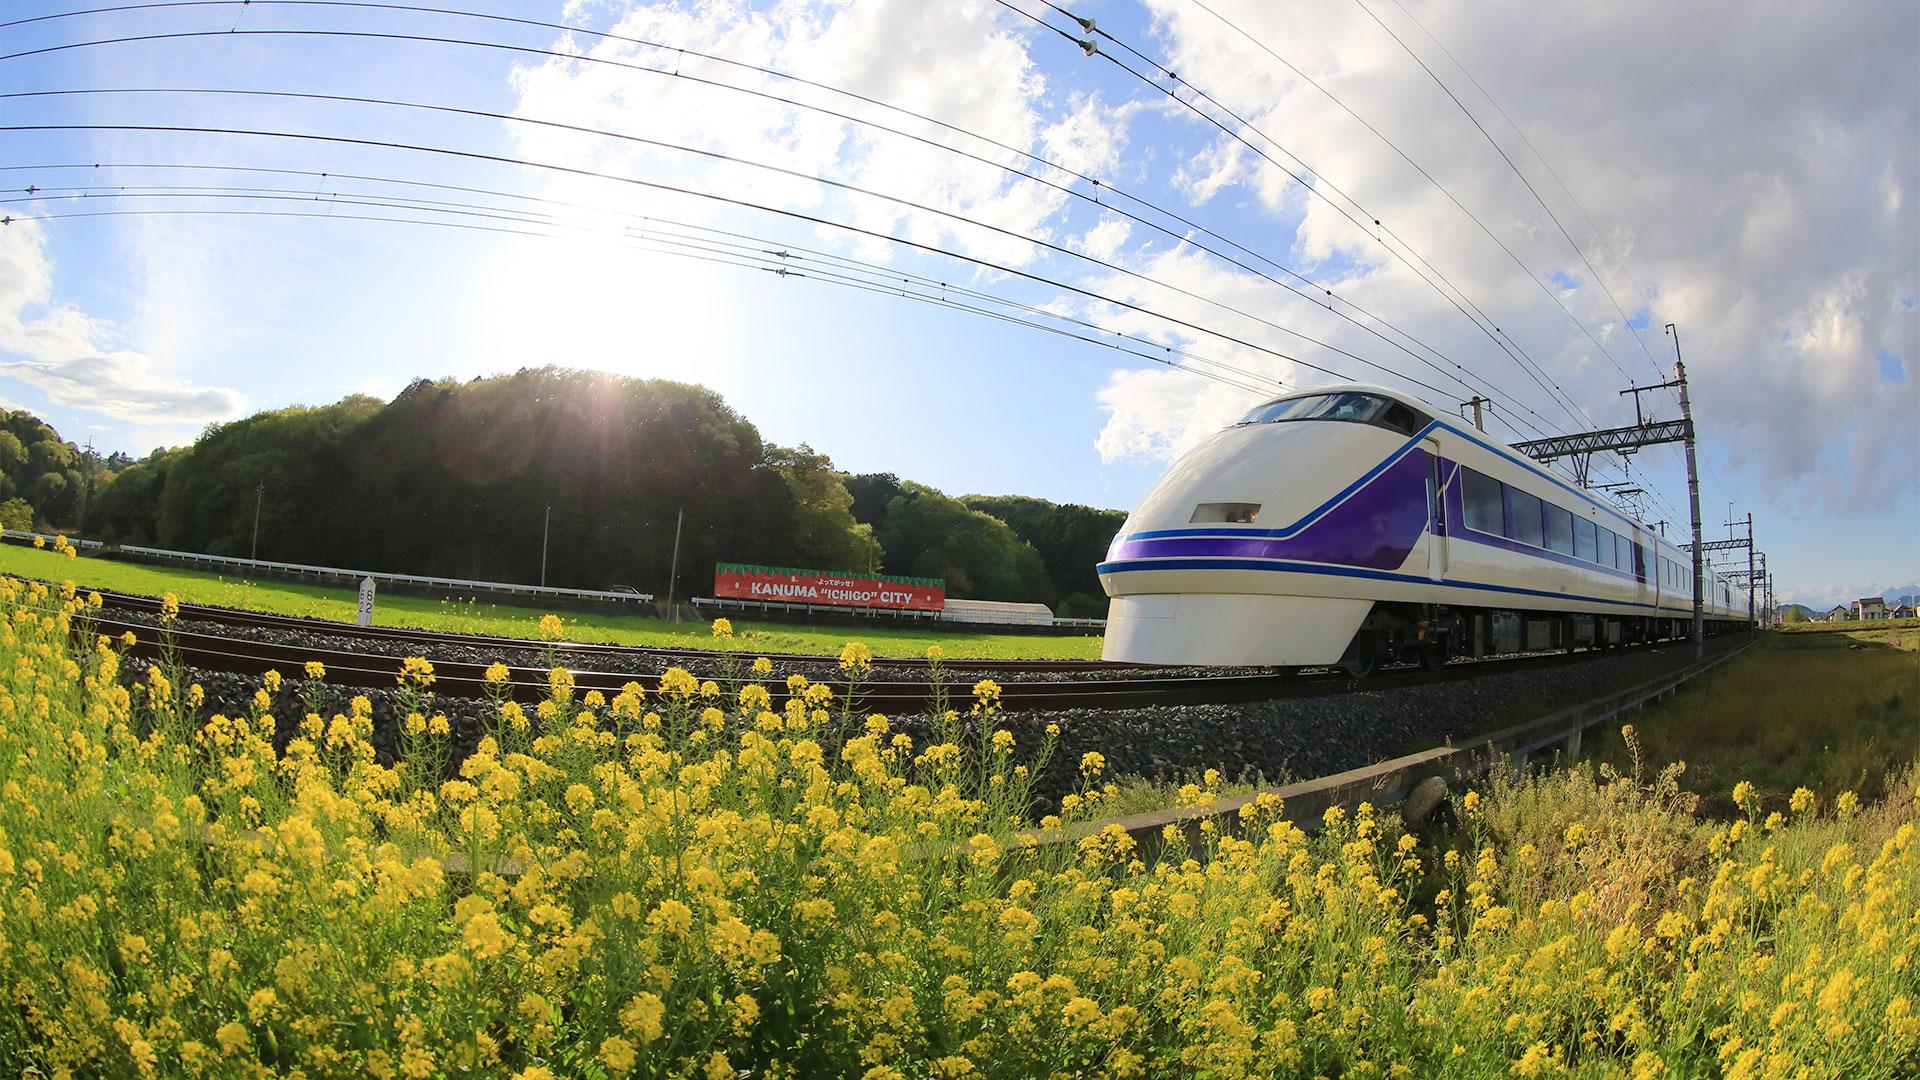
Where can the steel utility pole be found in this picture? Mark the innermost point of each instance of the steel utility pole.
(545, 525)
(1479, 421)
(259, 496)
(679, 519)
(1693, 500)
(1751, 580)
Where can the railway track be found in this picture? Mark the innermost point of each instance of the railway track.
(1134, 688)
(662, 656)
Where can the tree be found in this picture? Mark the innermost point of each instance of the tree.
(16, 514)
(929, 534)
(1071, 539)
(825, 534)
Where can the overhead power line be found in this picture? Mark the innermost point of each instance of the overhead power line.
(703, 194)
(1531, 190)
(1411, 258)
(1332, 303)
(777, 256)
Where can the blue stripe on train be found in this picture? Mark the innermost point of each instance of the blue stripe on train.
(1136, 565)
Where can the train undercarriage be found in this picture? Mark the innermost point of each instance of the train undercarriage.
(1434, 634)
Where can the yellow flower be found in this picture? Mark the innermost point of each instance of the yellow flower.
(551, 628)
(856, 657)
(169, 607)
(723, 629)
(1847, 805)
(271, 681)
(642, 1016)
(496, 673)
(316, 670)
(1092, 762)
(416, 671)
(986, 697)
(232, 1036)
(1743, 795)
(762, 666)
(1801, 802)
(617, 1054)
(486, 937)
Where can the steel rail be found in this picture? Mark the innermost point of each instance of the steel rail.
(467, 680)
(655, 653)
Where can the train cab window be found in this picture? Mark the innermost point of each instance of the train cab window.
(1523, 518)
(1585, 542)
(1559, 530)
(1285, 409)
(1229, 513)
(1481, 496)
(1349, 406)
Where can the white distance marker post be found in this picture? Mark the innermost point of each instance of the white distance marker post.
(366, 602)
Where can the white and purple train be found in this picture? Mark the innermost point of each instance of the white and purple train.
(1352, 526)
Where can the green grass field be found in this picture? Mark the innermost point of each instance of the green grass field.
(486, 617)
(1850, 625)
(1831, 711)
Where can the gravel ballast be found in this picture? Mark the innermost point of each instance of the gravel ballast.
(1261, 742)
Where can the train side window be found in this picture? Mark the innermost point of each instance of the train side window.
(1559, 530)
(1523, 518)
(1228, 513)
(1481, 494)
(1586, 540)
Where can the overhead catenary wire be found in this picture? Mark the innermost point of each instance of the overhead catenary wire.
(580, 171)
(1186, 240)
(777, 253)
(1422, 170)
(1659, 371)
(1504, 156)
(1333, 302)
(827, 277)
(743, 203)
(1425, 270)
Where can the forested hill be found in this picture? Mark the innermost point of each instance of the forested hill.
(457, 478)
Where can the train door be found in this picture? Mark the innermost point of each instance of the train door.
(1436, 515)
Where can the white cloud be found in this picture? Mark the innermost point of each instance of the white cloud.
(69, 356)
(959, 62)
(1756, 183)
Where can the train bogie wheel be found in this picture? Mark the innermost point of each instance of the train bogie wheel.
(1363, 656)
(1433, 655)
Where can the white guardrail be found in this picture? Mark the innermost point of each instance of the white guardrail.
(418, 580)
(29, 536)
(974, 612)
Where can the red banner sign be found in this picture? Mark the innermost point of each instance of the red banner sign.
(779, 583)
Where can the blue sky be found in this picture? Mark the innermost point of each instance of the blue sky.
(1792, 274)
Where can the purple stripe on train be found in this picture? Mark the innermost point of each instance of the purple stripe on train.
(1376, 526)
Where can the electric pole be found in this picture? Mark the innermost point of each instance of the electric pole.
(1479, 421)
(679, 519)
(259, 496)
(546, 525)
(1693, 500)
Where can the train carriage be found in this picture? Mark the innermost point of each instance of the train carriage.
(1353, 525)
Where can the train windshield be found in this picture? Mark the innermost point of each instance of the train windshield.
(1349, 406)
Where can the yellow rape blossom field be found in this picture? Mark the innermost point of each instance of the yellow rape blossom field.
(722, 880)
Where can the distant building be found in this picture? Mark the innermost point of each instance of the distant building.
(1870, 607)
(1902, 611)
(1842, 613)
